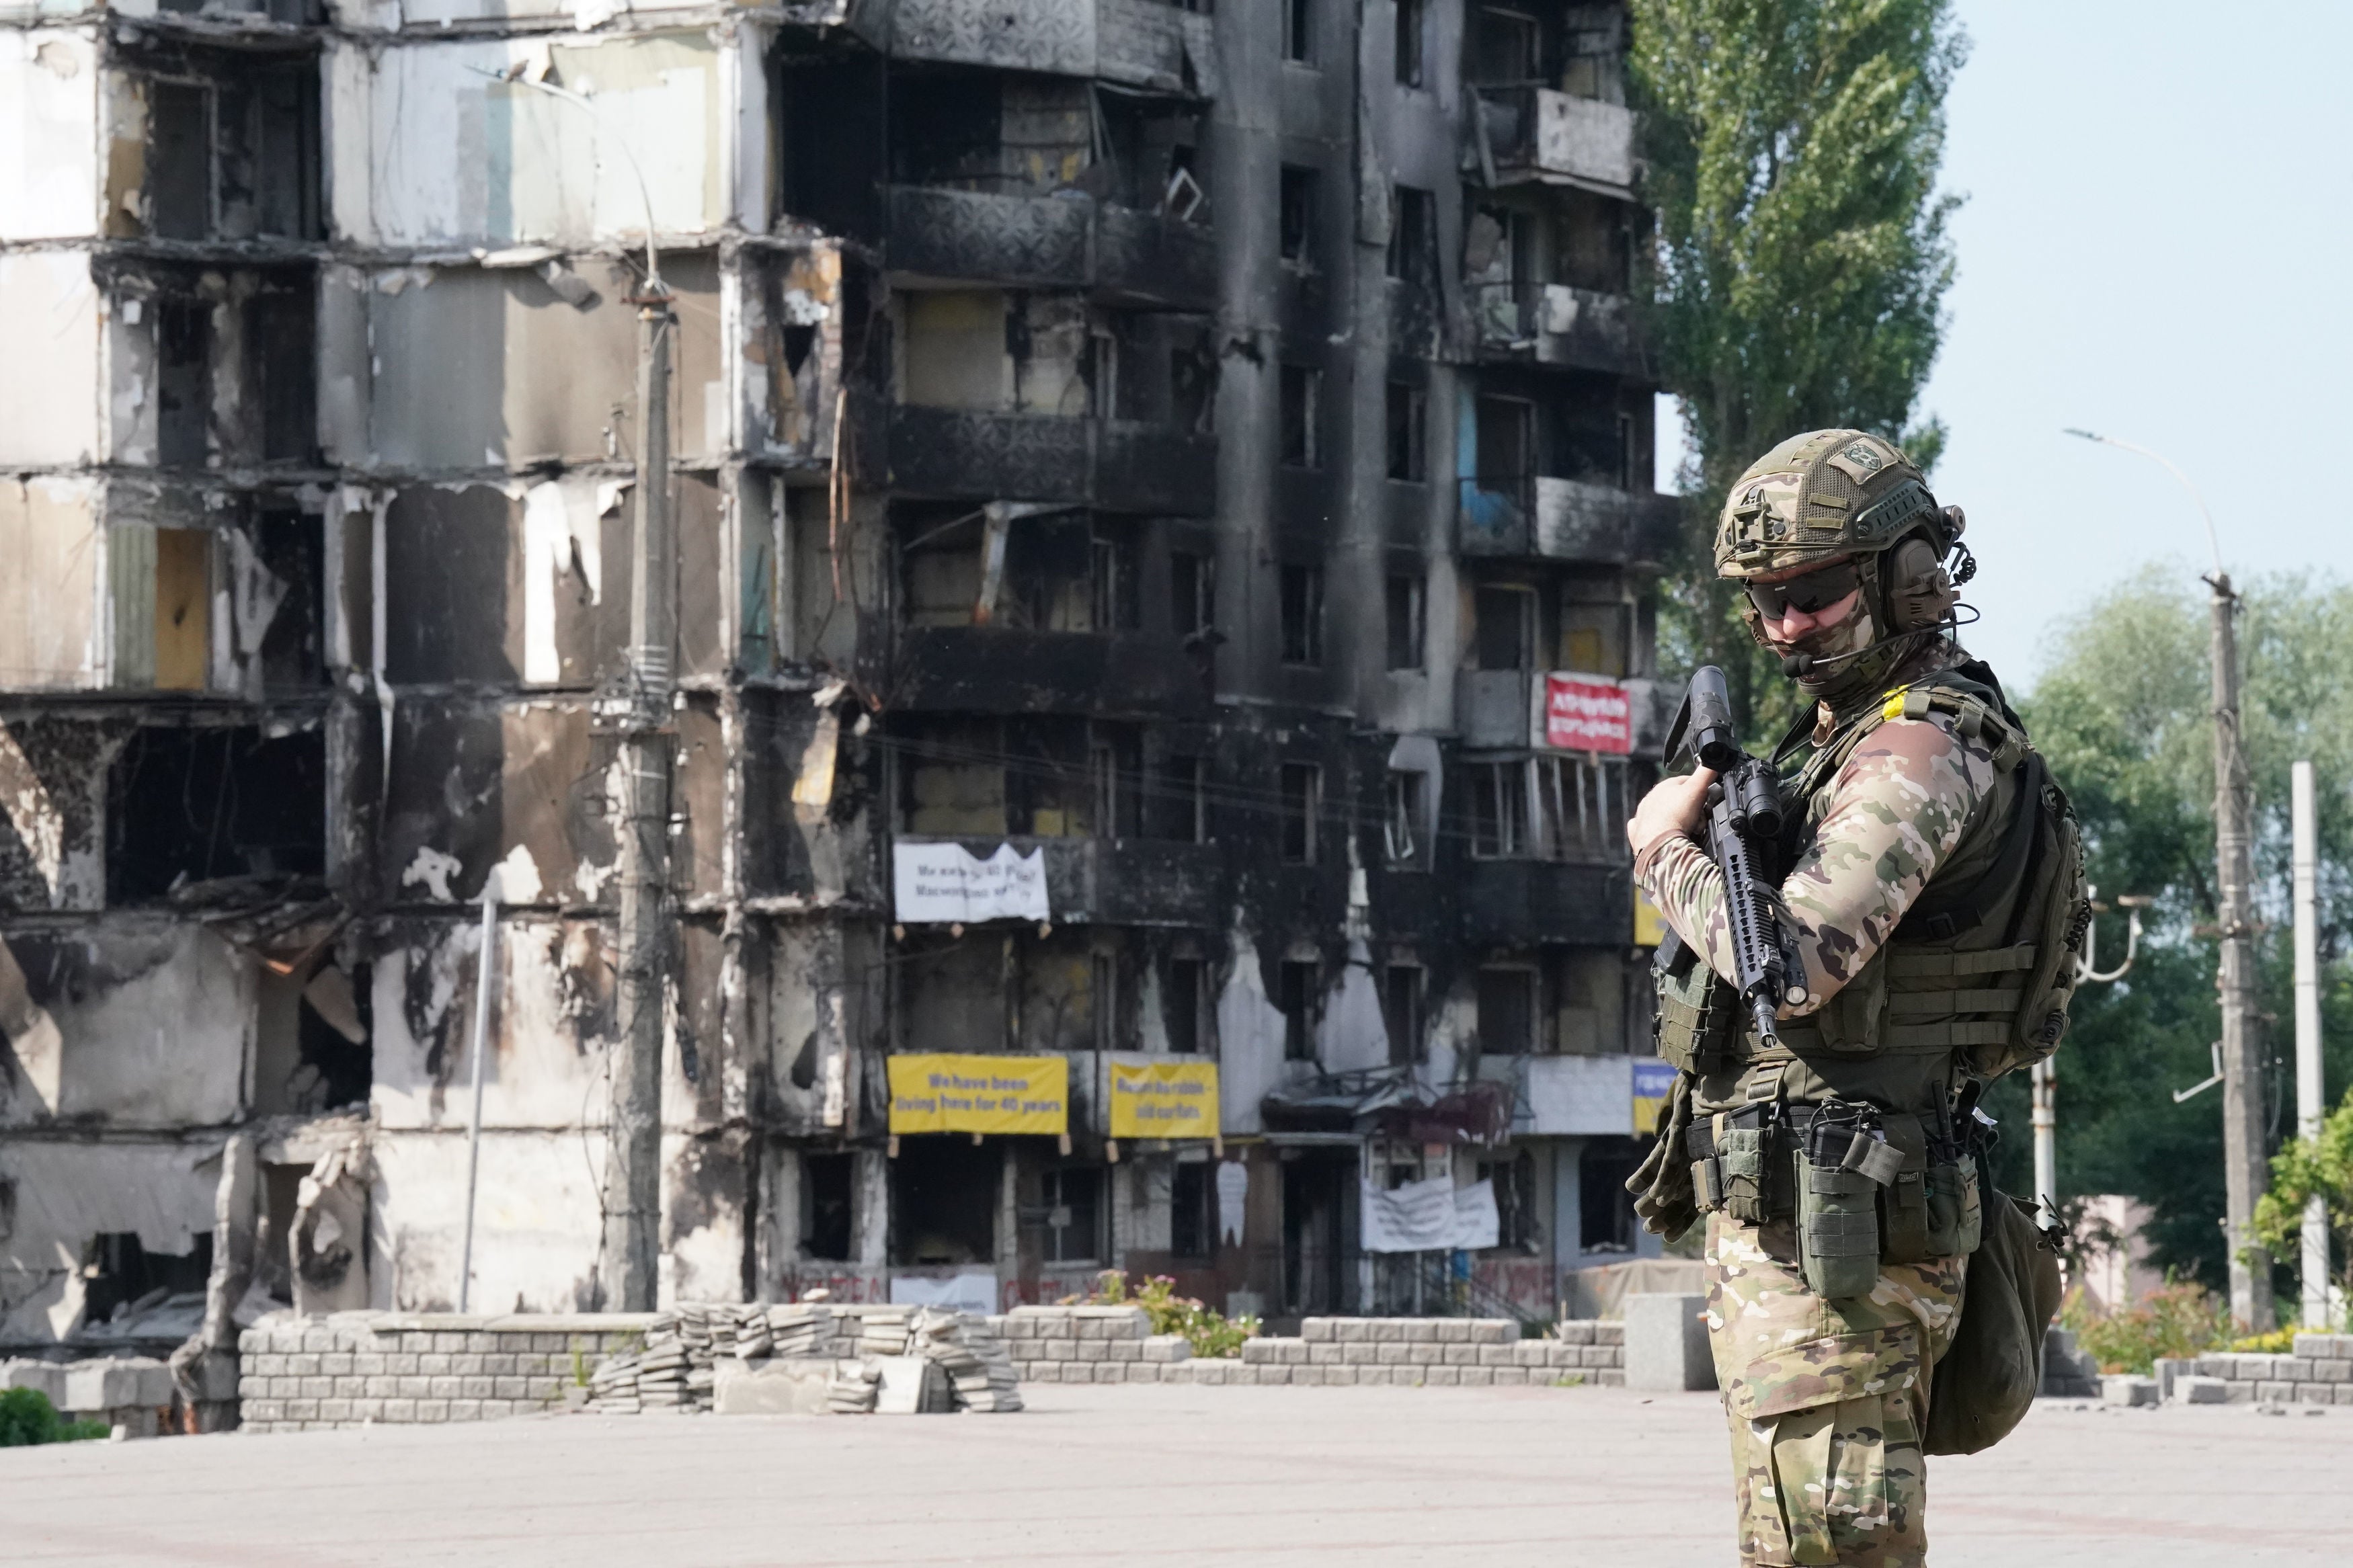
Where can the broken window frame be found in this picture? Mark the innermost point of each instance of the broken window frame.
(1514, 1176)
(1407, 432)
(1298, 982)
(1497, 804)
(823, 1213)
(1298, 32)
(1300, 398)
(1302, 806)
(1400, 825)
(1502, 640)
(1179, 797)
(1506, 456)
(1301, 614)
(1404, 992)
(1500, 1037)
(1188, 998)
(1492, 60)
(1192, 592)
(1412, 257)
(1411, 59)
(265, 213)
(1405, 620)
(1605, 1209)
(1582, 800)
(1297, 186)
(1193, 1210)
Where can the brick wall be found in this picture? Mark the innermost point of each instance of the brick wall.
(1115, 1344)
(400, 1367)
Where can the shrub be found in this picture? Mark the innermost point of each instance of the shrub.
(26, 1418)
(1208, 1332)
(2179, 1319)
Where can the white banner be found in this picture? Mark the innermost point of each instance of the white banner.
(1476, 1223)
(940, 883)
(964, 1292)
(1434, 1216)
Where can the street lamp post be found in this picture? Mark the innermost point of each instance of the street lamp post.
(2242, 1100)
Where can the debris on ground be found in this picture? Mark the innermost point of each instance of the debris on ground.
(677, 1367)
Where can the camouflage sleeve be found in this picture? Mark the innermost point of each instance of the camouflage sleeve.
(1896, 812)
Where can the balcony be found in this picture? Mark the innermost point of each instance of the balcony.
(1144, 43)
(1539, 134)
(1508, 903)
(1004, 669)
(1578, 1095)
(1069, 241)
(1538, 516)
(1123, 881)
(1492, 707)
(1552, 323)
(1116, 466)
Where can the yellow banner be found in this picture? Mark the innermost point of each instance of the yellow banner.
(1164, 1099)
(980, 1094)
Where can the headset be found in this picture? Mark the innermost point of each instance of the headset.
(1913, 591)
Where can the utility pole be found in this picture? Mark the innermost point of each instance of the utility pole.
(2310, 1106)
(630, 1257)
(2245, 1166)
(632, 1200)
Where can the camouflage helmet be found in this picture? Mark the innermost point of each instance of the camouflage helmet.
(1818, 497)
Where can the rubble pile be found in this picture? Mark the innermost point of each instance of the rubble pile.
(676, 1367)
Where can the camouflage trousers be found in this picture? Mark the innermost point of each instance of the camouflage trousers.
(1826, 1400)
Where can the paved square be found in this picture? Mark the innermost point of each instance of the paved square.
(1090, 1475)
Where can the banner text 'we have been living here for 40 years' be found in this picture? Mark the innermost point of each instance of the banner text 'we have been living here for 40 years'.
(942, 1093)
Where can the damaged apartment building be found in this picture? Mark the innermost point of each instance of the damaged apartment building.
(1203, 450)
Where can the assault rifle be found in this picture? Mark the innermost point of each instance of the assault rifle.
(1744, 830)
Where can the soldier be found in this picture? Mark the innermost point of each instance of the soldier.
(1933, 874)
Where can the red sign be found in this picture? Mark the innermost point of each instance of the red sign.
(1588, 713)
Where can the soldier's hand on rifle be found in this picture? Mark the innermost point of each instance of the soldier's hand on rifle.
(1673, 806)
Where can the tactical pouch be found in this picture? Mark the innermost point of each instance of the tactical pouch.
(1740, 1162)
(1697, 1011)
(1851, 1022)
(1904, 1221)
(1839, 1168)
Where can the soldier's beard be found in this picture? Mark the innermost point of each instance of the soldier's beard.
(1835, 683)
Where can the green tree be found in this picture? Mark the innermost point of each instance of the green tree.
(1802, 258)
(2124, 716)
(2317, 1167)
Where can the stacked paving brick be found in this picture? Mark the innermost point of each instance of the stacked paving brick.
(2317, 1370)
(1115, 1344)
(676, 1366)
(354, 1367)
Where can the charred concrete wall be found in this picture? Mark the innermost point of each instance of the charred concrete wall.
(1174, 442)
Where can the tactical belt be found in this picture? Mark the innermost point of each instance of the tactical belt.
(1699, 1140)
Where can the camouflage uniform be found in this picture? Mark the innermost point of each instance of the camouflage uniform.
(1895, 813)
(1828, 1399)
(1825, 1399)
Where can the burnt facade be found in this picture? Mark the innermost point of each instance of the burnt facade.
(1177, 442)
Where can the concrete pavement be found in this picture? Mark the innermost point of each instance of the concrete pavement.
(1561, 1476)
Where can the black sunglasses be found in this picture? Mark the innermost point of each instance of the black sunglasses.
(1814, 592)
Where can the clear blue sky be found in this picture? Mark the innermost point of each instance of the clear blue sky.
(2156, 245)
